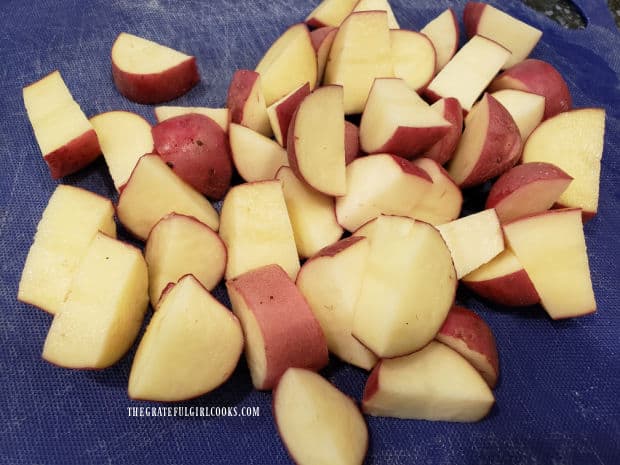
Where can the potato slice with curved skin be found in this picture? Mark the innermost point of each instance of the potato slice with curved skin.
(281, 112)
(526, 108)
(518, 37)
(552, 248)
(537, 77)
(66, 138)
(256, 157)
(378, 5)
(256, 229)
(330, 13)
(408, 287)
(322, 40)
(191, 346)
(102, 313)
(503, 281)
(289, 63)
(413, 56)
(468, 334)
(315, 144)
(71, 219)
(434, 383)
(179, 245)
(444, 148)
(396, 120)
(246, 102)
(351, 142)
(196, 148)
(380, 184)
(490, 145)
(443, 32)
(147, 72)
(124, 137)
(330, 281)
(153, 191)
(220, 115)
(279, 327)
(527, 189)
(359, 54)
(574, 142)
(318, 424)
(312, 214)
(443, 201)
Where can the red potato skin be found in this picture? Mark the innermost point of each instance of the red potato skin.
(372, 384)
(197, 150)
(74, 155)
(241, 85)
(502, 147)
(157, 87)
(351, 142)
(315, 23)
(410, 168)
(464, 325)
(512, 290)
(471, 17)
(409, 143)
(337, 247)
(287, 108)
(585, 215)
(292, 335)
(537, 77)
(318, 36)
(522, 175)
(443, 149)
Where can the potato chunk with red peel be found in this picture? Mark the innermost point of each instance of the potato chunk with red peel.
(220, 115)
(281, 112)
(256, 157)
(413, 56)
(443, 31)
(444, 148)
(360, 53)
(289, 63)
(503, 281)
(331, 281)
(315, 144)
(434, 383)
(518, 37)
(179, 245)
(102, 313)
(317, 423)
(473, 240)
(71, 220)
(552, 248)
(190, 347)
(280, 329)
(246, 102)
(153, 191)
(322, 40)
(147, 72)
(526, 108)
(378, 5)
(573, 141)
(66, 138)
(527, 189)
(330, 13)
(381, 184)
(469, 72)
(468, 334)
(537, 77)
(490, 145)
(396, 120)
(443, 202)
(196, 148)
(408, 287)
(312, 214)
(256, 229)
(351, 142)
(124, 137)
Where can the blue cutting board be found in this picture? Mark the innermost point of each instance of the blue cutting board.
(558, 398)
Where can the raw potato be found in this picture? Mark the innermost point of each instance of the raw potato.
(220, 115)
(246, 102)
(378, 5)
(179, 245)
(100, 318)
(70, 221)
(281, 112)
(442, 203)
(256, 157)
(413, 56)
(65, 136)
(434, 383)
(318, 424)
(190, 347)
(147, 72)
(330, 13)
(280, 329)
(526, 109)
(443, 31)
(153, 191)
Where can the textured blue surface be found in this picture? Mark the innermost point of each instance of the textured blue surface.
(557, 401)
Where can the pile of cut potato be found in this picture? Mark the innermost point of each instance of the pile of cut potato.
(356, 140)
